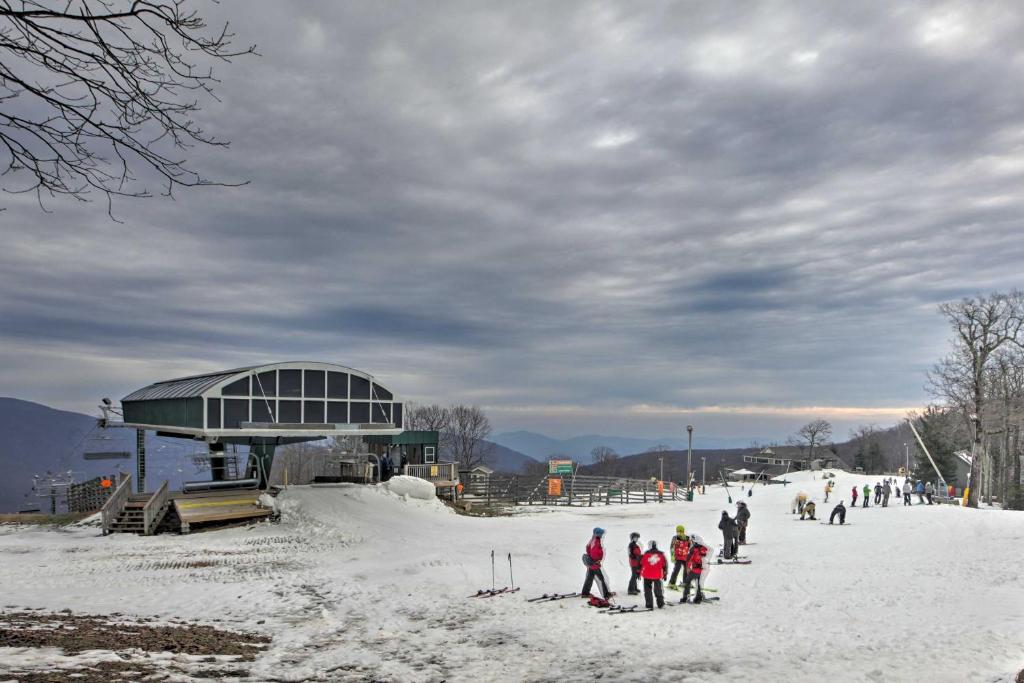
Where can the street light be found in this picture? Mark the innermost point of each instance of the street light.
(689, 453)
(703, 475)
(661, 464)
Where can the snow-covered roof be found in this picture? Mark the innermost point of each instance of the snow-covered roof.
(741, 472)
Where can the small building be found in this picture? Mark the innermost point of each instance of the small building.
(478, 473)
(742, 475)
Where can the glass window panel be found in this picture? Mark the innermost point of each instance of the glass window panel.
(236, 411)
(289, 411)
(238, 388)
(337, 385)
(380, 393)
(337, 412)
(396, 414)
(213, 413)
(261, 410)
(265, 384)
(315, 384)
(314, 412)
(381, 412)
(291, 383)
(360, 387)
(360, 412)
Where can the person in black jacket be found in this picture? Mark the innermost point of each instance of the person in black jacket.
(838, 510)
(729, 541)
(635, 553)
(742, 520)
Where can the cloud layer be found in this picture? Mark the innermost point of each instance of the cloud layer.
(562, 211)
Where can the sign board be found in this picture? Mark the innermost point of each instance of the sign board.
(554, 486)
(559, 466)
(434, 470)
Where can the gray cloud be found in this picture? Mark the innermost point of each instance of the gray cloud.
(544, 206)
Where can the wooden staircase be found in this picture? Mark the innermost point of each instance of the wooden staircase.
(128, 513)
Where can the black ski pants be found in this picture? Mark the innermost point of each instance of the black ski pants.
(743, 532)
(878, 497)
(865, 501)
(634, 576)
(595, 575)
(675, 572)
(885, 500)
(692, 578)
(929, 496)
(659, 594)
(837, 513)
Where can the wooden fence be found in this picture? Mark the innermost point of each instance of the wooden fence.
(583, 490)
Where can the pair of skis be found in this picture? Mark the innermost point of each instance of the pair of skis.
(551, 597)
(485, 593)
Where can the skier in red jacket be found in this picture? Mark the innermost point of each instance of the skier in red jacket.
(679, 548)
(696, 568)
(654, 569)
(592, 558)
(853, 502)
(635, 553)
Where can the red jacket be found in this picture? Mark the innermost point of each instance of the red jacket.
(854, 494)
(595, 551)
(654, 565)
(634, 555)
(682, 546)
(695, 560)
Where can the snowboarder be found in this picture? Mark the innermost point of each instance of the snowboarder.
(654, 570)
(838, 510)
(878, 492)
(798, 502)
(886, 491)
(635, 553)
(808, 510)
(867, 494)
(919, 490)
(853, 494)
(697, 568)
(742, 520)
(906, 492)
(729, 540)
(929, 490)
(828, 489)
(593, 558)
(679, 549)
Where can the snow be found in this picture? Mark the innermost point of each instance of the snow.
(413, 487)
(371, 582)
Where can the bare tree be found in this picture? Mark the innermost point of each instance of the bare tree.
(603, 454)
(812, 435)
(430, 418)
(90, 93)
(467, 434)
(982, 326)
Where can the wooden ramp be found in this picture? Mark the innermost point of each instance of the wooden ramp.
(204, 507)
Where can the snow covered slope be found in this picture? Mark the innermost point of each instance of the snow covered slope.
(359, 583)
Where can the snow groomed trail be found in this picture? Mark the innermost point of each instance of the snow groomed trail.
(357, 583)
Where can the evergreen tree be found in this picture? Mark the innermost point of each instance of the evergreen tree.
(938, 429)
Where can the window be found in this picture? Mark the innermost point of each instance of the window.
(429, 455)
(262, 409)
(315, 384)
(359, 412)
(213, 413)
(360, 387)
(337, 385)
(237, 388)
(289, 411)
(314, 412)
(265, 384)
(291, 383)
(236, 411)
(380, 393)
(381, 412)
(337, 412)
(396, 414)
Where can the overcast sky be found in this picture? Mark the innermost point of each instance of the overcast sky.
(615, 218)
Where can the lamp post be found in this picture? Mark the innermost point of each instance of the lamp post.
(689, 454)
(703, 475)
(661, 465)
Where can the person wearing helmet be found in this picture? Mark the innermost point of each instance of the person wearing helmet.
(592, 559)
(838, 511)
(697, 568)
(808, 510)
(654, 569)
(742, 520)
(635, 553)
(729, 539)
(867, 494)
(679, 548)
(878, 493)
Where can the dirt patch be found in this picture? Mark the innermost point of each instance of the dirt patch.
(76, 633)
(50, 520)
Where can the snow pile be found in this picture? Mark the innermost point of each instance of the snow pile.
(412, 487)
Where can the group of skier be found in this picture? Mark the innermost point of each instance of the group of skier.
(734, 529)
(882, 490)
(690, 555)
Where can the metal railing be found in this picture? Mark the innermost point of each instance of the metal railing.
(583, 490)
(111, 510)
(437, 472)
(152, 508)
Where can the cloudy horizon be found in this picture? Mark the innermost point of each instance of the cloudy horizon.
(581, 217)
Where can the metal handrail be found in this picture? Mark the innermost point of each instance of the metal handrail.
(152, 507)
(115, 504)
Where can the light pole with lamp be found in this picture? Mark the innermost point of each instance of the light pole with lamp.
(689, 454)
(703, 475)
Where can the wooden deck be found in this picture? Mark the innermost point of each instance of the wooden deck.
(204, 507)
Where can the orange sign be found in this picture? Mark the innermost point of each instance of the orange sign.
(105, 483)
(554, 486)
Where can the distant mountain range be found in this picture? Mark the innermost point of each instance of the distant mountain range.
(541, 447)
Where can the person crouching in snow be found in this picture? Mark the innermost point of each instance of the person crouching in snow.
(808, 510)
(594, 556)
(679, 549)
(853, 495)
(635, 553)
(654, 569)
(798, 502)
(729, 541)
(697, 568)
(839, 510)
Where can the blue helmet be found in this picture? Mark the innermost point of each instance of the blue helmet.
(598, 531)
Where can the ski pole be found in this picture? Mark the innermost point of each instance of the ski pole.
(492, 570)
(513, 581)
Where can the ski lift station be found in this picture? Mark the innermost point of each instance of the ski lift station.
(259, 407)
